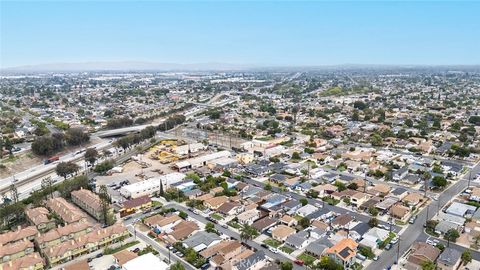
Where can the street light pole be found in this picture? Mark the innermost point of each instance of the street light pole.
(469, 178)
(427, 216)
(398, 250)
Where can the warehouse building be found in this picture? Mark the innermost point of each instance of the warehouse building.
(150, 186)
(201, 161)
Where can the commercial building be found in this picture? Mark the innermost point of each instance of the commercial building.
(201, 161)
(151, 186)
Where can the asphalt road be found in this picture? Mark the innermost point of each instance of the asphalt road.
(161, 249)
(415, 232)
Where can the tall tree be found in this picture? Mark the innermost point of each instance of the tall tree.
(91, 155)
(47, 186)
(105, 201)
(65, 169)
(466, 257)
(14, 193)
(451, 235)
(162, 192)
(248, 233)
(1, 147)
(8, 145)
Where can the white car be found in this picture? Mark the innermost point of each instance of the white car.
(272, 249)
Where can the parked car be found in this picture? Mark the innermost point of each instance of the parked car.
(375, 258)
(299, 262)
(388, 246)
(274, 250)
(136, 250)
(99, 255)
(412, 219)
(264, 245)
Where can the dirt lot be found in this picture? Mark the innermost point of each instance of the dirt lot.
(133, 172)
(19, 163)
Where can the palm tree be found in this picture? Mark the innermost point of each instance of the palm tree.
(248, 233)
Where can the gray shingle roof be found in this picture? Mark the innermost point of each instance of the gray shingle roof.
(449, 256)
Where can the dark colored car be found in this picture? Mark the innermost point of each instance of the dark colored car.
(299, 262)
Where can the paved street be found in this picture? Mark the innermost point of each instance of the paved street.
(219, 228)
(161, 249)
(415, 232)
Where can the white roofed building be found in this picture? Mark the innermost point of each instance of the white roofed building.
(150, 186)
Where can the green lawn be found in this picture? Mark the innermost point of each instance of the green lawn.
(216, 216)
(234, 224)
(307, 259)
(398, 222)
(286, 249)
(330, 200)
(272, 242)
(391, 235)
(156, 203)
(108, 250)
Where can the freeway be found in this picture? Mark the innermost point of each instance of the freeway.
(42, 170)
(333, 208)
(415, 232)
(30, 180)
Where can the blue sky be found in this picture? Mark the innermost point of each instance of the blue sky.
(260, 33)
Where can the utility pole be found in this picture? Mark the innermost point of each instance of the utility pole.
(427, 215)
(469, 178)
(398, 250)
(365, 182)
(425, 187)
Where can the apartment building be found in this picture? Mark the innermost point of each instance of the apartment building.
(39, 217)
(15, 250)
(88, 201)
(32, 261)
(62, 234)
(21, 234)
(68, 212)
(85, 244)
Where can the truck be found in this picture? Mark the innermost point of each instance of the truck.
(51, 159)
